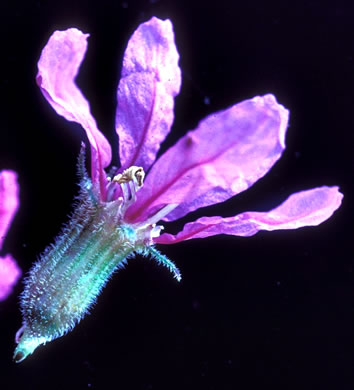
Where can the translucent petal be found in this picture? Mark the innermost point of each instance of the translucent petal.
(57, 68)
(9, 275)
(305, 208)
(227, 153)
(9, 201)
(149, 82)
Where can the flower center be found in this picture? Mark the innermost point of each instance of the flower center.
(131, 180)
(134, 174)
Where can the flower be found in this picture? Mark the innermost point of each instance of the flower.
(117, 214)
(9, 202)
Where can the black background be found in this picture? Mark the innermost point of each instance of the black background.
(274, 310)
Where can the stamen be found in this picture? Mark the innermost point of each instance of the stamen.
(139, 175)
(130, 181)
(159, 215)
(133, 189)
(131, 174)
(111, 189)
(125, 190)
(129, 194)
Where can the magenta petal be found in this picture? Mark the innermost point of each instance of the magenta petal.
(9, 201)
(57, 68)
(9, 275)
(306, 208)
(150, 79)
(227, 153)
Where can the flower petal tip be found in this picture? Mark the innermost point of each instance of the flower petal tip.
(9, 275)
(58, 67)
(337, 197)
(270, 101)
(72, 34)
(150, 80)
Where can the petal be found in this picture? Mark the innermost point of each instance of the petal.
(226, 154)
(9, 275)
(306, 208)
(57, 68)
(150, 80)
(9, 201)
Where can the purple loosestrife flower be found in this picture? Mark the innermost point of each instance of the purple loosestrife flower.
(9, 202)
(117, 214)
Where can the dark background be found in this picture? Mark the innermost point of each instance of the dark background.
(274, 310)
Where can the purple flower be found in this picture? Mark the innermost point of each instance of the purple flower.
(116, 214)
(9, 202)
(226, 154)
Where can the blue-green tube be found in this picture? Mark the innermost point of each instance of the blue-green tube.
(65, 282)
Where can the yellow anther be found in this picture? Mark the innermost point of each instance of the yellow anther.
(130, 174)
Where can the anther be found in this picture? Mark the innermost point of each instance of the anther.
(133, 173)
